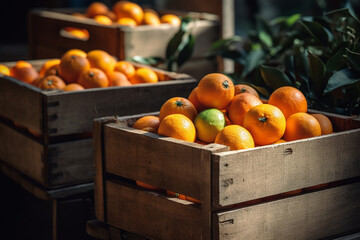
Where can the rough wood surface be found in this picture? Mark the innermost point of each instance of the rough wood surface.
(269, 170)
(310, 216)
(21, 103)
(151, 215)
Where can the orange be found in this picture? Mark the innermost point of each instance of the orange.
(71, 66)
(93, 78)
(102, 19)
(24, 72)
(96, 8)
(266, 123)
(325, 123)
(243, 88)
(75, 51)
(127, 22)
(101, 60)
(111, 15)
(215, 90)
(151, 18)
(147, 186)
(280, 141)
(289, 99)
(240, 105)
(178, 126)
(208, 124)
(127, 9)
(4, 70)
(236, 137)
(51, 82)
(178, 105)
(126, 68)
(144, 75)
(53, 70)
(77, 32)
(118, 79)
(177, 195)
(170, 19)
(36, 81)
(193, 98)
(147, 123)
(73, 87)
(48, 64)
(300, 126)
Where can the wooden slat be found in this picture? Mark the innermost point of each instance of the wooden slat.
(22, 153)
(70, 162)
(98, 148)
(160, 161)
(274, 169)
(151, 215)
(310, 216)
(21, 103)
(73, 112)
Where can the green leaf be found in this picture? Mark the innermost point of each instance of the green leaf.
(336, 61)
(186, 50)
(316, 30)
(354, 59)
(293, 19)
(147, 60)
(265, 38)
(342, 78)
(317, 71)
(253, 60)
(274, 78)
(225, 43)
(177, 39)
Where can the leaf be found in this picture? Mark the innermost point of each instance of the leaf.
(265, 38)
(225, 43)
(253, 60)
(186, 50)
(354, 59)
(274, 78)
(336, 61)
(177, 39)
(317, 72)
(293, 19)
(316, 30)
(341, 78)
(147, 60)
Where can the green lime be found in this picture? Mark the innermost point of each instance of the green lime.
(208, 123)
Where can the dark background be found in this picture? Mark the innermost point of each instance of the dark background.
(14, 30)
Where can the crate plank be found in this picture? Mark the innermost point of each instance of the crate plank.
(134, 154)
(270, 170)
(164, 218)
(23, 153)
(309, 216)
(22, 103)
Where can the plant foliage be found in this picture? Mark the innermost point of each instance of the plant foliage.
(320, 55)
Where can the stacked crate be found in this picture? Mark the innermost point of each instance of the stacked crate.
(304, 189)
(46, 135)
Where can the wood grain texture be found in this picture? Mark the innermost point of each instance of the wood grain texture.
(21, 103)
(73, 112)
(150, 214)
(98, 147)
(22, 152)
(310, 216)
(273, 169)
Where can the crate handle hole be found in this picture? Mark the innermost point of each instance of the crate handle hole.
(288, 151)
(75, 33)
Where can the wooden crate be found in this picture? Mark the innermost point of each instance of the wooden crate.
(28, 211)
(47, 41)
(61, 152)
(268, 192)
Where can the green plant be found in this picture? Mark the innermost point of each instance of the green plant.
(320, 55)
(178, 51)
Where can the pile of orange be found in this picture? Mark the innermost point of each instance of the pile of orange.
(127, 13)
(78, 70)
(217, 111)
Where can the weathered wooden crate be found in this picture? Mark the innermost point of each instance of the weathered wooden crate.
(28, 211)
(47, 41)
(269, 192)
(61, 152)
